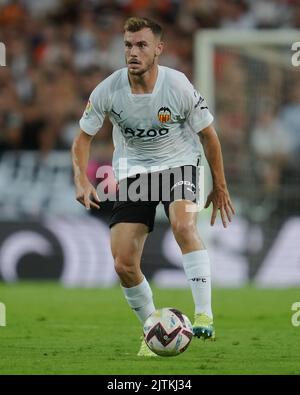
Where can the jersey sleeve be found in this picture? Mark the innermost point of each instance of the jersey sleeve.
(95, 110)
(198, 114)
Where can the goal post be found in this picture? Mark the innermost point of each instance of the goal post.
(207, 40)
(238, 72)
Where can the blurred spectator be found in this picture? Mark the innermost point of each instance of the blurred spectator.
(59, 50)
(271, 13)
(290, 117)
(270, 145)
(232, 112)
(235, 14)
(10, 116)
(12, 14)
(193, 15)
(38, 9)
(295, 18)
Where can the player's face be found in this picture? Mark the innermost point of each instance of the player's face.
(142, 49)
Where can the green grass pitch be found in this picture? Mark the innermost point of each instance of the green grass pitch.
(53, 330)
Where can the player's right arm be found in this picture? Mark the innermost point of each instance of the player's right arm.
(86, 194)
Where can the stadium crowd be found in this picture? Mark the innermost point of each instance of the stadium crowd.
(58, 50)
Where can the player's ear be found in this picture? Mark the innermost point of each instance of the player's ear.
(159, 48)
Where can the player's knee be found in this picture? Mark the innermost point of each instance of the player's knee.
(124, 265)
(184, 230)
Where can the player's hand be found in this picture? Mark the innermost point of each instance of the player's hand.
(220, 199)
(86, 194)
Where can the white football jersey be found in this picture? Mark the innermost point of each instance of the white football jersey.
(151, 132)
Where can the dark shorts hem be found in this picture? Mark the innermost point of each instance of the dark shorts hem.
(134, 212)
(144, 211)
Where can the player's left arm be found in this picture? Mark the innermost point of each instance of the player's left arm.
(219, 196)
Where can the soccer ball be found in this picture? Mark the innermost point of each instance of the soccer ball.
(168, 332)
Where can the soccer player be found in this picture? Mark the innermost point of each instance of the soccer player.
(158, 122)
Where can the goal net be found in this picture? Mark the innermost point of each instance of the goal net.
(253, 90)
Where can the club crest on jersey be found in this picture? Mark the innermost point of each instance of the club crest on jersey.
(164, 114)
(88, 109)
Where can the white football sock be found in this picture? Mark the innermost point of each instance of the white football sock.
(140, 299)
(197, 269)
